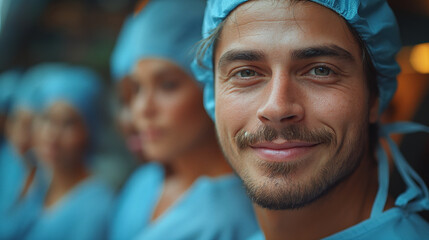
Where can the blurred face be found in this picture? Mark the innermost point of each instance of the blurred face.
(168, 110)
(292, 109)
(62, 136)
(124, 119)
(20, 129)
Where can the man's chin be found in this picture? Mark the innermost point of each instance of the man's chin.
(270, 195)
(281, 187)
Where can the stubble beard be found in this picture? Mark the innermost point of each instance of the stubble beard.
(276, 186)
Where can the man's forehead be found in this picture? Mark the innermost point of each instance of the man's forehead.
(266, 23)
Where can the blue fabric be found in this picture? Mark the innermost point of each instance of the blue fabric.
(120, 60)
(394, 224)
(416, 196)
(81, 214)
(373, 20)
(78, 86)
(13, 173)
(166, 29)
(26, 96)
(8, 84)
(213, 208)
(18, 218)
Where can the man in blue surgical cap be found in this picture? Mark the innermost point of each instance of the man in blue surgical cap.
(297, 88)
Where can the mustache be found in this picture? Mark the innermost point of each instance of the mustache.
(267, 133)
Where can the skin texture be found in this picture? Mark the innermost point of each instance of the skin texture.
(292, 117)
(168, 112)
(62, 141)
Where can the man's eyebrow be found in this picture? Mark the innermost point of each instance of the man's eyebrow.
(240, 55)
(322, 51)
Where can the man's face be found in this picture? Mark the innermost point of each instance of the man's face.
(292, 108)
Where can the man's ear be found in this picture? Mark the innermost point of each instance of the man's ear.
(374, 110)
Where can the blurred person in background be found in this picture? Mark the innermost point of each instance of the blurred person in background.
(119, 65)
(187, 191)
(8, 82)
(17, 164)
(67, 201)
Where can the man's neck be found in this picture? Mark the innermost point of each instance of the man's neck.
(345, 205)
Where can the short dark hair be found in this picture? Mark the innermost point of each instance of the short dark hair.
(368, 68)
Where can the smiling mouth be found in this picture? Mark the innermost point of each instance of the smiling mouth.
(280, 150)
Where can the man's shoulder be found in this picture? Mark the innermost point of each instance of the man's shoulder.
(393, 224)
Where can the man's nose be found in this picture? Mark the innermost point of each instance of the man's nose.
(282, 101)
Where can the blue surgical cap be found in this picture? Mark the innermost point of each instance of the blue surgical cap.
(166, 29)
(26, 96)
(373, 20)
(8, 83)
(77, 86)
(120, 61)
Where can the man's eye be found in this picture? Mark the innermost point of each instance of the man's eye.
(246, 73)
(321, 71)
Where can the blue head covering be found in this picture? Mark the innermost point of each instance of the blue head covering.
(78, 86)
(8, 86)
(120, 64)
(376, 25)
(27, 94)
(167, 29)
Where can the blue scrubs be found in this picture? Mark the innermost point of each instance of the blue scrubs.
(81, 214)
(212, 208)
(394, 224)
(21, 214)
(13, 173)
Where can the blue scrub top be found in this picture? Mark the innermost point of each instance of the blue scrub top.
(13, 173)
(212, 208)
(394, 224)
(81, 214)
(18, 217)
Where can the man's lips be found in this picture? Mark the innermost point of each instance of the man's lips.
(281, 150)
